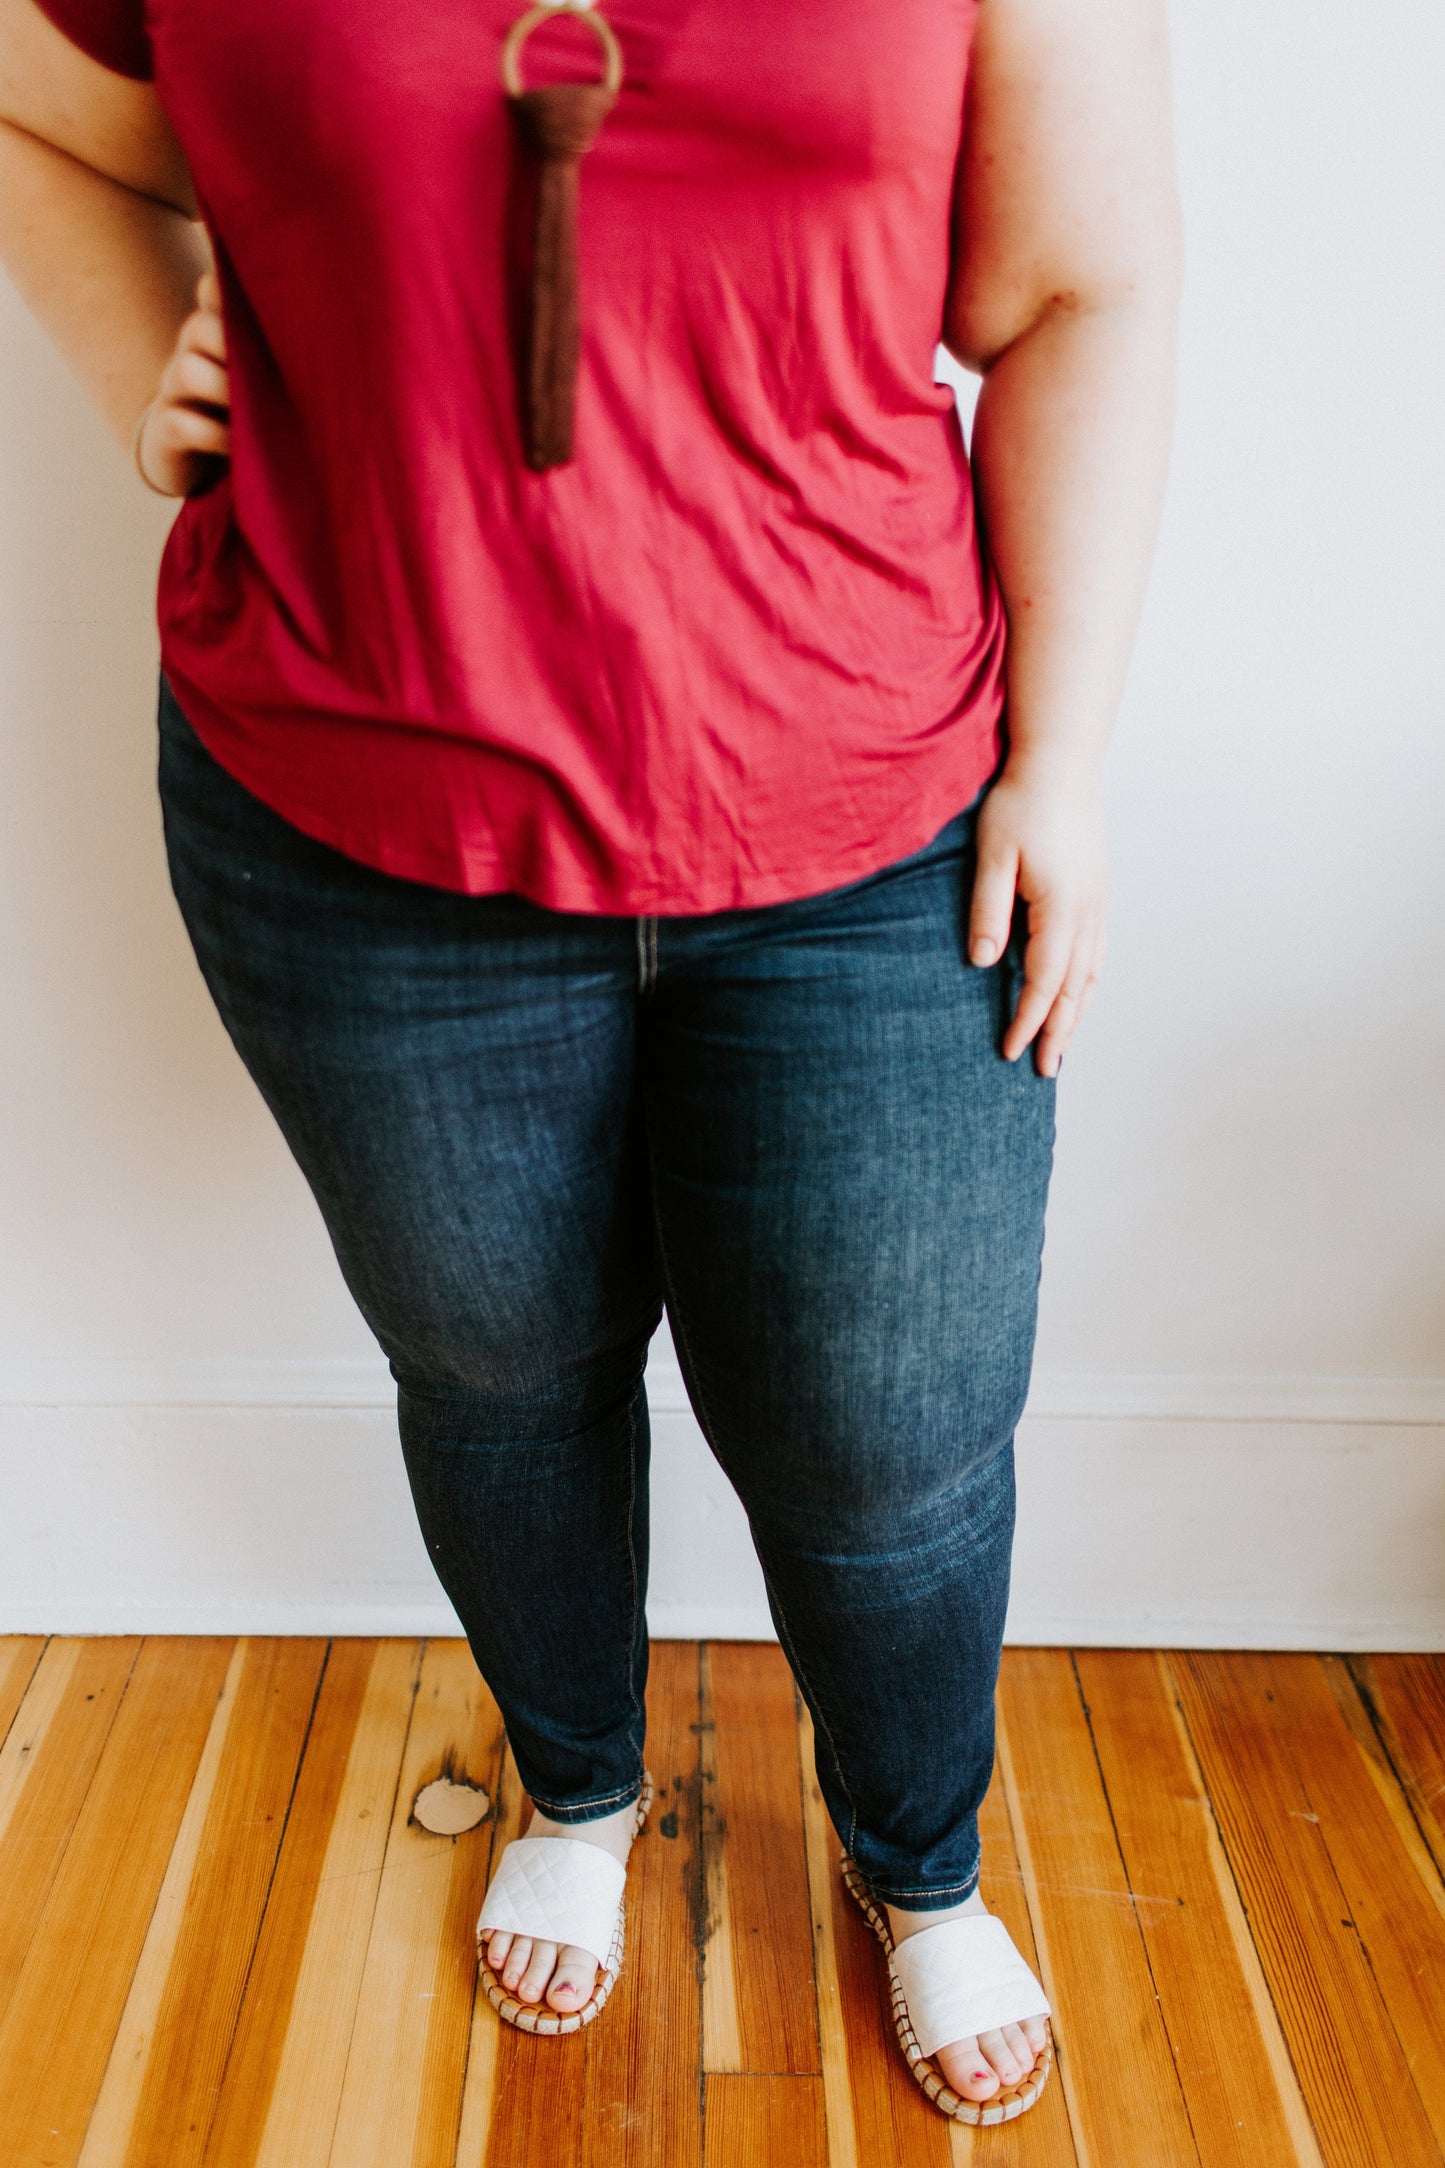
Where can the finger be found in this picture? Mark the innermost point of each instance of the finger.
(1094, 945)
(1046, 959)
(193, 375)
(205, 326)
(990, 911)
(202, 334)
(1063, 1017)
(189, 429)
(1091, 985)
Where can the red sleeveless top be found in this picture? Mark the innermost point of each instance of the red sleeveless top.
(744, 647)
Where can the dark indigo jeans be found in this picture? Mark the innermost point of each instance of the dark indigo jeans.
(527, 1130)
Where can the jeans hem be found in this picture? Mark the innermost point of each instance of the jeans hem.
(588, 1810)
(938, 1899)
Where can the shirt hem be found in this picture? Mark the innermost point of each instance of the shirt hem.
(482, 872)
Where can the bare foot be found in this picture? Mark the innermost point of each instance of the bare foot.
(560, 1974)
(977, 2068)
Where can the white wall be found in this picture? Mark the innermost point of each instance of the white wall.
(1239, 1410)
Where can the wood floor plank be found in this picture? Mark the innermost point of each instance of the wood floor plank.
(62, 2017)
(1406, 1697)
(360, 1718)
(401, 2100)
(764, 2122)
(821, 1851)
(479, 2093)
(523, 2103)
(1364, 1729)
(449, 2045)
(643, 2104)
(1042, 2136)
(183, 2043)
(1348, 1938)
(301, 2117)
(112, 2120)
(46, 1766)
(1243, 2099)
(19, 1655)
(624, 2093)
(884, 2115)
(1125, 2105)
(754, 1853)
(722, 2044)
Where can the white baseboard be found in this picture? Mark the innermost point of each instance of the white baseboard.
(1178, 1396)
(1175, 1511)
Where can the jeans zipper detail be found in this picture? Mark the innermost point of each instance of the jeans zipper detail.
(646, 955)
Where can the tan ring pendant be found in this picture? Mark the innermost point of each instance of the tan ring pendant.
(559, 122)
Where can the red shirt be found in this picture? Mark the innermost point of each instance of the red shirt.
(744, 647)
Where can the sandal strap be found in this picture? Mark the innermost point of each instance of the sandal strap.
(964, 1977)
(556, 1889)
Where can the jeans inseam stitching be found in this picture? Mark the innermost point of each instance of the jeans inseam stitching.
(709, 1431)
(638, 1388)
(791, 1649)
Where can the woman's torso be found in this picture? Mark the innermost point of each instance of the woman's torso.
(744, 645)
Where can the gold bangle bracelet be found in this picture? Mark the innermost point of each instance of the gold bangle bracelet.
(135, 437)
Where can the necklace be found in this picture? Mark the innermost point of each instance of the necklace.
(559, 123)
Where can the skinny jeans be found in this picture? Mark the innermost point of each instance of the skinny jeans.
(529, 1130)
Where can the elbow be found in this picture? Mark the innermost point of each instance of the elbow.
(983, 328)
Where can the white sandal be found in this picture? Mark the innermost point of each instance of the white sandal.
(949, 1982)
(557, 1889)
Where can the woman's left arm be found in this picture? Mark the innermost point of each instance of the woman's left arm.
(1064, 298)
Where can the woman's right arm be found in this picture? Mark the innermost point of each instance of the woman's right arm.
(98, 230)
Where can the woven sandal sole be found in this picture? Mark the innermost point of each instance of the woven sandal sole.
(536, 2017)
(1003, 2107)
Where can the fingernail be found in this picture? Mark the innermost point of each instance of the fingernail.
(984, 951)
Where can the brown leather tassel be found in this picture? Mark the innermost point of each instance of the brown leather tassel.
(560, 123)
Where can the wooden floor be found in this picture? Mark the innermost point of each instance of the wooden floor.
(223, 1940)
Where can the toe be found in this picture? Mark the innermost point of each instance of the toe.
(517, 1959)
(1017, 2042)
(996, 2052)
(573, 1980)
(497, 1946)
(540, 1966)
(1036, 2031)
(967, 2071)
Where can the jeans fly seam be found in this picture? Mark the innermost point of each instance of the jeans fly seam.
(646, 955)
